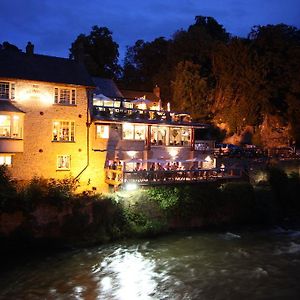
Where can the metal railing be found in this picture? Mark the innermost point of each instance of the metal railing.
(122, 113)
(117, 177)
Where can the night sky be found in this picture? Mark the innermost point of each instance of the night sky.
(53, 25)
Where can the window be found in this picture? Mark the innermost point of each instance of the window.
(7, 90)
(139, 132)
(10, 126)
(5, 160)
(63, 131)
(159, 135)
(5, 126)
(102, 131)
(128, 131)
(63, 162)
(134, 132)
(180, 136)
(65, 96)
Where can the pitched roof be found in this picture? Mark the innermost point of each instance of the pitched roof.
(131, 94)
(107, 87)
(6, 105)
(19, 65)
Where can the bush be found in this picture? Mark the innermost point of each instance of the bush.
(8, 192)
(145, 216)
(47, 191)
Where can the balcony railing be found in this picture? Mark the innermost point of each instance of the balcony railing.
(139, 115)
(118, 177)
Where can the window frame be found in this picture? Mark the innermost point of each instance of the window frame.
(4, 158)
(101, 125)
(58, 94)
(15, 122)
(134, 134)
(58, 161)
(58, 140)
(11, 90)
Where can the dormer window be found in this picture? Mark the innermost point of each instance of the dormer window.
(7, 90)
(65, 96)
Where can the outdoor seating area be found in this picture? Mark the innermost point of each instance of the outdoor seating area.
(123, 113)
(156, 177)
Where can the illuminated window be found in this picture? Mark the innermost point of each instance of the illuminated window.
(134, 132)
(106, 102)
(5, 160)
(7, 90)
(139, 132)
(128, 131)
(186, 136)
(63, 131)
(102, 131)
(180, 136)
(65, 96)
(159, 135)
(10, 126)
(63, 162)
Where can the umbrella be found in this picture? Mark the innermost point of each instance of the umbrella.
(141, 101)
(101, 97)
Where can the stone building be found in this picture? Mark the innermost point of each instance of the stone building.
(57, 122)
(45, 124)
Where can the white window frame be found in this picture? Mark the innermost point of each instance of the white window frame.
(6, 160)
(133, 138)
(63, 156)
(58, 93)
(15, 127)
(11, 90)
(57, 131)
(98, 133)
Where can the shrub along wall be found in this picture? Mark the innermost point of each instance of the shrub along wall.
(49, 210)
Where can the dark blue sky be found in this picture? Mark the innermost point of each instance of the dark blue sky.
(53, 25)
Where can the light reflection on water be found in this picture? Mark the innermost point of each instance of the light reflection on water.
(231, 265)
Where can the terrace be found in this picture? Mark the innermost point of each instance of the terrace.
(138, 112)
(164, 177)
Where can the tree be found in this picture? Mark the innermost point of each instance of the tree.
(98, 52)
(190, 90)
(8, 46)
(143, 62)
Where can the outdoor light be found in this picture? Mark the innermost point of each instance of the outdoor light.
(208, 159)
(173, 152)
(131, 187)
(132, 153)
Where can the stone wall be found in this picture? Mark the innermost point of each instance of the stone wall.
(39, 158)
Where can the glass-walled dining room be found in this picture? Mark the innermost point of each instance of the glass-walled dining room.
(170, 136)
(159, 135)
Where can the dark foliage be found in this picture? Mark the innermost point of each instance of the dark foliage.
(98, 52)
(231, 80)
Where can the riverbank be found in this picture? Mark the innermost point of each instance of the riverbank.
(47, 214)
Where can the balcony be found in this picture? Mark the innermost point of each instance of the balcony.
(166, 177)
(107, 113)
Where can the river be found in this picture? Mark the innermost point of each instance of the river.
(206, 265)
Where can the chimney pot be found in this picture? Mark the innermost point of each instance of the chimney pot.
(29, 48)
(156, 91)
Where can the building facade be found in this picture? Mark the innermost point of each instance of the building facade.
(57, 122)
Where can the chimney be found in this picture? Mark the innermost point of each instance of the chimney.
(29, 48)
(156, 91)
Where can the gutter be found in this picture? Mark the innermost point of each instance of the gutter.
(88, 124)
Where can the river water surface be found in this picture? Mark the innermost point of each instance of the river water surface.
(229, 265)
